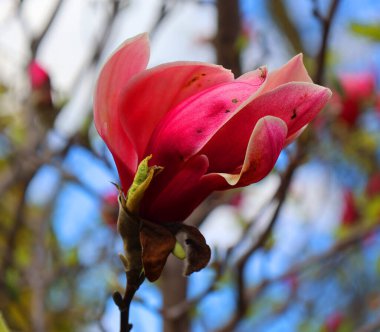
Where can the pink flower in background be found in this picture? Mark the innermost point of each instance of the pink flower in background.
(110, 208)
(237, 199)
(334, 322)
(206, 129)
(377, 103)
(38, 76)
(358, 85)
(41, 94)
(373, 185)
(293, 282)
(357, 89)
(350, 213)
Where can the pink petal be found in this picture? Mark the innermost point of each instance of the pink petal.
(292, 71)
(188, 127)
(38, 76)
(255, 77)
(358, 85)
(179, 197)
(131, 58)
(265, 144)
(295, 103)
(151, 94)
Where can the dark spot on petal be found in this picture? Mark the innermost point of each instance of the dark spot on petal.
(262, 72)
(227, 111)
(203, 74)
(234, 100)
(194, 79)
(294, 115)
(199, 130)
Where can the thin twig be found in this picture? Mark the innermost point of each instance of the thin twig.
(326, 28)
(133, 282)
(8, 252)
(241, 300)
(339, 247)
(36, 41)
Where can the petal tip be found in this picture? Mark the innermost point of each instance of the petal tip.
(141, 40)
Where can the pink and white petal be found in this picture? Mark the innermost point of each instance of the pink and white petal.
(295, 103)
(128, 60)
(131, 58)
(151, 94)
(255, 77)
(177, 199)
(293, 71)
(265, 145)
(195, 121)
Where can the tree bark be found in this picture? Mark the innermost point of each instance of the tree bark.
(173, 285)
(174, 290)
(229, 30)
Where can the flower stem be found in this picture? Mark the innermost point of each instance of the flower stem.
(134, 281)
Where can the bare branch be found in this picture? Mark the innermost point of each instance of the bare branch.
(229, 26)
(326, 28)
(36, 41)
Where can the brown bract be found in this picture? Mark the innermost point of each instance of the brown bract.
(147, 245)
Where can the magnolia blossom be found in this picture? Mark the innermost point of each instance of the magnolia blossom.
(38, 76)
(110, 208)
(334, 322)
(357, 89)
(350, 213)
(41, 94)
(373, 185)
(208, 130)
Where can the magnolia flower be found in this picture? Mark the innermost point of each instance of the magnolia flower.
(207, 130)
(373, 185)
(356, 89)
(333, 322)
(38, 76)
(110, 208)
(41, 94)
(350, 213)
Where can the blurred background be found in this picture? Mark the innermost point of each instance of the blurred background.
(299, 251)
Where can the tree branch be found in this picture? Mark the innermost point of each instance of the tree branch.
(36, 41)
(229, 26)
(326, 28)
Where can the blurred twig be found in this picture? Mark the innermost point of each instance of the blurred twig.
(99, 46)
(36, 41)
(337, 249)
(229, 30)
(242, 302)
(326, 23)
(281, 18)
(8, 251)
(166, 7)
